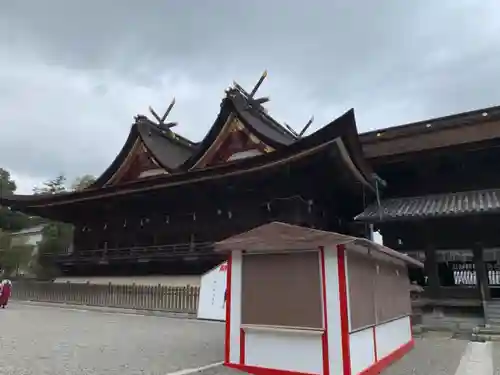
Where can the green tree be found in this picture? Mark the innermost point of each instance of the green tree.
(56, 240)
(15, 259)
(54, 186)
(10, 220)
(7, 184)
(82, 182)
(56, 236)
(14, 256)
(4, 240)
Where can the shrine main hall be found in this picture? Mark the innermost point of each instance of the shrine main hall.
(431, 189)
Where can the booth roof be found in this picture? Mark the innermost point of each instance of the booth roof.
(278, 236)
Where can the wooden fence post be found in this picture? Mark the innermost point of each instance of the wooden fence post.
(160, 297)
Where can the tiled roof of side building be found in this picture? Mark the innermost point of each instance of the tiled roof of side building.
(433, 206)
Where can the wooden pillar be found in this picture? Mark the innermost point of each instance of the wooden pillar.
(477, 229)
(481, 272)
(431, 271)
(430, 264)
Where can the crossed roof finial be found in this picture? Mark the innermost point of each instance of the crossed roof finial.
(256, 103)
(258, 84)
(161, 120)
(250, 96)
(304, 129)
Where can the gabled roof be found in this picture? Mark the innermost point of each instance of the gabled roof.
(259, 121)
(175, 153)
(237, 105)
(168, 149)
(336, 140)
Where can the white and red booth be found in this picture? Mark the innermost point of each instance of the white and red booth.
(305, 301)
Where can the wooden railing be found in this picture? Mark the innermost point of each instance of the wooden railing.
(156, 298)
(137, 252)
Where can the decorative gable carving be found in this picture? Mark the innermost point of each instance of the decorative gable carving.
(138, 164)
(235, 142)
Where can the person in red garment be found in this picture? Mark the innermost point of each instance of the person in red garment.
(5, 291)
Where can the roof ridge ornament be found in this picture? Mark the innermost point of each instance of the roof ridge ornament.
(306, 126)
(161, 120)
(256, 104)
(291, 130)
(301, 133)
(258, 84)
(250, 96)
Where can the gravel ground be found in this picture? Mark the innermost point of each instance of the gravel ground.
(49, 340)
(45, 340)
(431, 356)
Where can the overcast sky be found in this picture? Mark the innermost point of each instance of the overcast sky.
(73, 74)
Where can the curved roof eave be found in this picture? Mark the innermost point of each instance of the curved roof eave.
(133, 136)
(22, 201)
(345, 128)
(169, 155)
(355, 148)
(340, 128)
(138, 131)
(199, 152)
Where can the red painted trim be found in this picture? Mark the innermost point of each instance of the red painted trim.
(378, 367)
(375, 369)
(324, 337)
(375, 343)
(344, 311)
(263, 370)
(227, 343)
(242, 346)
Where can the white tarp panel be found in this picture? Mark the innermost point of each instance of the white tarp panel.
(212, 300)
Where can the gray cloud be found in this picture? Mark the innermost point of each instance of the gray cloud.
(73, 74)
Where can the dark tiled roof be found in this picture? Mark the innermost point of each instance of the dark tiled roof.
(439, 205)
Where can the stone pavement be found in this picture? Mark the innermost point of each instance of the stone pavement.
(49, 340)
(496, 358)
(38, 340)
